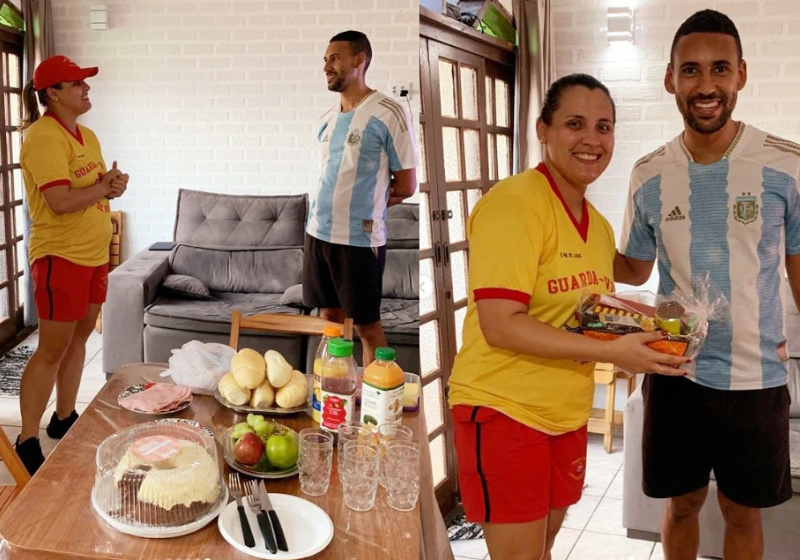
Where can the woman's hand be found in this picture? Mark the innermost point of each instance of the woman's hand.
(630, 353)
(118, 182)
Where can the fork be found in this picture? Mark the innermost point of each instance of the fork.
(254, 501)
(235, 486)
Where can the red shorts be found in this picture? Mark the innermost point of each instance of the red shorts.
(510, 473)
(64, 290)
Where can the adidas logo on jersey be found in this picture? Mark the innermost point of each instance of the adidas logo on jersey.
(675, 215)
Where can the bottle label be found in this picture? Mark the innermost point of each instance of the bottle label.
(336, 408)
(381, 406)
(316, 403)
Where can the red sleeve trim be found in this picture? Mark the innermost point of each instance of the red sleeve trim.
(57, 183)
(502, 293)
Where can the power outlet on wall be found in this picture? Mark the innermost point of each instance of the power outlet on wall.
(401, 90)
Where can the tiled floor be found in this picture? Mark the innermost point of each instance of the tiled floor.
(92, 381)
(593, 527)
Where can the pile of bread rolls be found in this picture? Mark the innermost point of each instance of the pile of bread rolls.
(263, 381)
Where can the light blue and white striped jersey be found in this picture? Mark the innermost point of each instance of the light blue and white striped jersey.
(360, 149)
(730, 219)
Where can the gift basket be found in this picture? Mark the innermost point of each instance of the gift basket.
(683, 316)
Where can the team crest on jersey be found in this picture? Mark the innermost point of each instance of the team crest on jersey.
(354, 138)
(745, 209)
(325, 138)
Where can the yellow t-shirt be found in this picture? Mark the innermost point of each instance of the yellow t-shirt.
(526, 246)
(52, 156)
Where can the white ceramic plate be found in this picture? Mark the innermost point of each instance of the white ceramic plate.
(307, 527)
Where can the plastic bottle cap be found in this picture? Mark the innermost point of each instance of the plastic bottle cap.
(340, 348)
(332, 331)
(386, 354)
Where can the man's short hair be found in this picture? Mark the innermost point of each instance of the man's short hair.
(358, 44)
(708, 21)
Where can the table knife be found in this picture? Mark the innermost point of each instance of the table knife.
(266, 505)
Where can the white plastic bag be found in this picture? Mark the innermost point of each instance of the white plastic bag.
(200, 366)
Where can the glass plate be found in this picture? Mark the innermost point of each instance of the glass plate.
(133, 389)
(232, 463)
(271, 411)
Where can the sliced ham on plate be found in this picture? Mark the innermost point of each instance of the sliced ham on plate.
(157, 397)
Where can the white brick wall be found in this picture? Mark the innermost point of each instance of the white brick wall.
(221, 96)
(646, 113)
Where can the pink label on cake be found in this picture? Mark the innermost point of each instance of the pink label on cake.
(156, 448)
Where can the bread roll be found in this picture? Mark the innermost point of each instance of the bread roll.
(229, 389)
(279, 371)
(248, 368)
(263, 396)
(294, 393)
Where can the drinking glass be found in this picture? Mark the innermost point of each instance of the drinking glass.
(402, 474)
(361, 475)
(315, 461)
(350, 431)
(387, 433)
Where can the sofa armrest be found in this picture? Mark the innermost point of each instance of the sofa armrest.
(132, 286)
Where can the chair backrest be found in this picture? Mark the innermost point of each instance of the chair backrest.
(279, 322)
(13, 462)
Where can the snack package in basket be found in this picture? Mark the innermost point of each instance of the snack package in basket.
(683, 316)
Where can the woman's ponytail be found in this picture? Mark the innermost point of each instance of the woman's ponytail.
(30, 106)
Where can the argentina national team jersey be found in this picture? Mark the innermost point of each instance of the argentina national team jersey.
(360, 149)
(733, 219)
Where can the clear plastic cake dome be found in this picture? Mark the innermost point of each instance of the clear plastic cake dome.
(159, 479)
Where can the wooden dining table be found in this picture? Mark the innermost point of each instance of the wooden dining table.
(53, 519)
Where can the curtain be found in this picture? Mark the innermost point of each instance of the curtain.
(39, 44)
(535, 69)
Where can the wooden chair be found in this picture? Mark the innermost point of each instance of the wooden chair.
(14, 465)
(604, 421)
(278, 322)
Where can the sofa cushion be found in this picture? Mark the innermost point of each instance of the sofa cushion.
(400, 316)
(401, 274)
(185, 287)
(210, 316)
(402, 224)
(293, 297)
(205, 218)
(243, 269)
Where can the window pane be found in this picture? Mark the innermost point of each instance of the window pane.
(3, 265)
(447, 88)
(13, 70)
(461, 314)
(452, 154)
(429, 347)
(472, 154)
(503, 156)
(434, 410)
(20, 252)
(19, 185)
(489, 101)
(424, 222)
(427, 290)
(501, 97)
(14, 103)
(438, 460)
(458, 265)
(423, 163)
(4, 304)
(492, 148)
(15, 147)
(455, 224)
(469, 94)
(19, 223)
(473, 196)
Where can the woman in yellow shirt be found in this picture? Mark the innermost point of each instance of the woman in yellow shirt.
(68, 188)
(522, 385)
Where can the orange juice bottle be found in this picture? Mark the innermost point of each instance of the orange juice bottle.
(329, 332)
(382, 390)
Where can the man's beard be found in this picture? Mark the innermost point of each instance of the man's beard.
(705, 126)
(338, 84)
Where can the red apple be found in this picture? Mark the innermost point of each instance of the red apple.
(249, 449)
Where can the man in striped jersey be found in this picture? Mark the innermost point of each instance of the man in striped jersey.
(721, 199)
(368, 163)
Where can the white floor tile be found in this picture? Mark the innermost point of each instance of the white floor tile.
(598, 480)
(94, 371)
(89, 389)
(658, 552)
(93, 347)
(615, 489)
(607, 518)
(579, 514)
(596, 455)
(595, 546)
(474, 549)
(565, 541)
(9, 412)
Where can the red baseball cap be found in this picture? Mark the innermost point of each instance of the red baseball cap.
(56, 69)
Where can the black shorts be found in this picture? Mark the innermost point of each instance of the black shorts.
(344, 277)
(743, 436)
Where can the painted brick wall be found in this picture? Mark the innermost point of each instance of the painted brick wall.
(646, 113)
(221, 96)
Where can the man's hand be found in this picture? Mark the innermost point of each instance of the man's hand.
(394, 199)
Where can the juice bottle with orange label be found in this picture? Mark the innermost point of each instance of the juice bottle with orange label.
(329, 332)
(338, 384)
(382, 390)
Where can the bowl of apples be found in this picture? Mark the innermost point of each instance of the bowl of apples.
(262, 448)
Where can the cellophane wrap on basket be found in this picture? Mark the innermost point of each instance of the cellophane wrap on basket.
(683, 316)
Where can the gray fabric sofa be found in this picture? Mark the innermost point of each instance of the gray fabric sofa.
(248, 250)
(641, 516)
